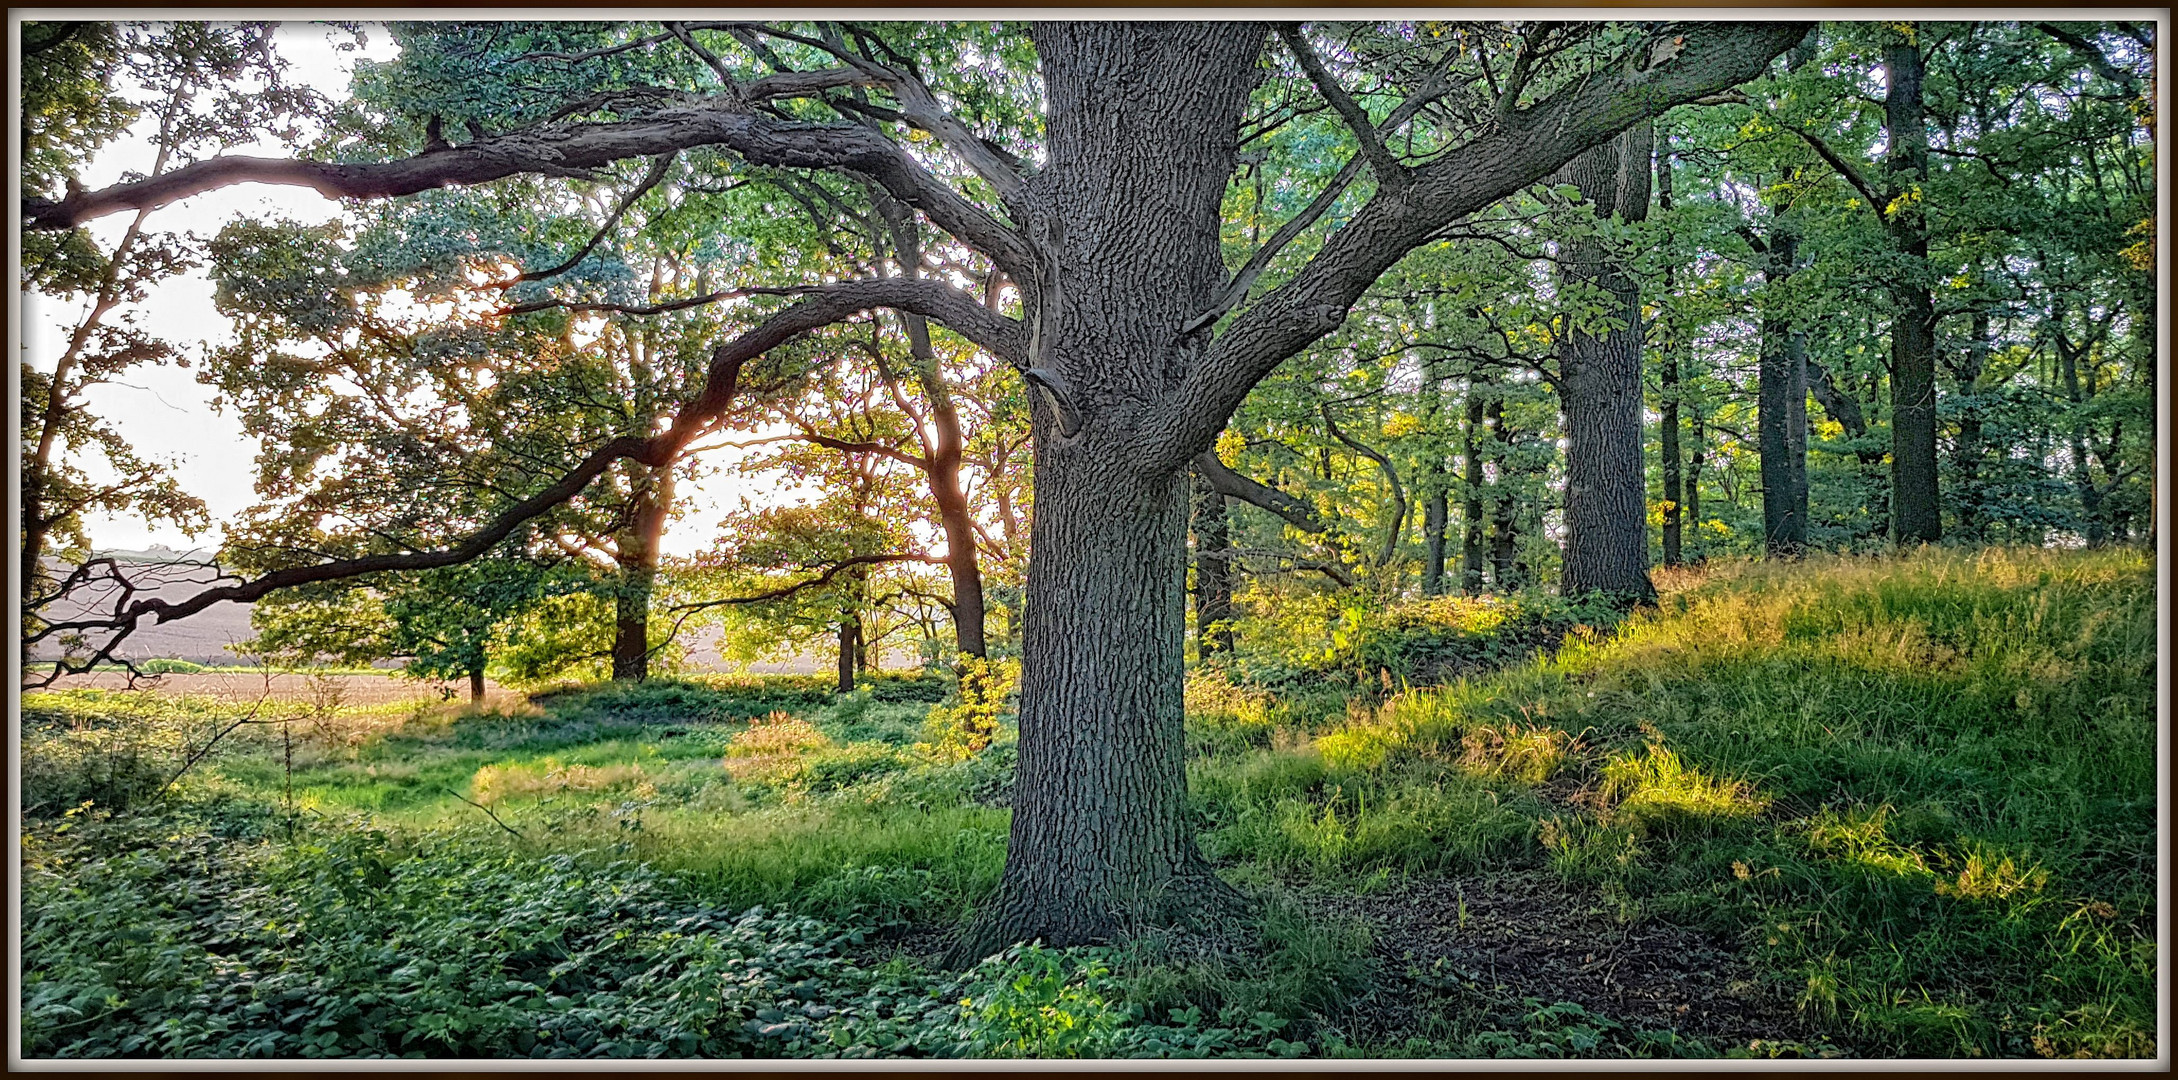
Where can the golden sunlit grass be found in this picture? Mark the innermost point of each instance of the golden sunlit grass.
(1529, 754)
(497, 783)
(1657, 787)
(772, 745)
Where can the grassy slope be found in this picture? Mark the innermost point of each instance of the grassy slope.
(1923, 790)
(1919, 791)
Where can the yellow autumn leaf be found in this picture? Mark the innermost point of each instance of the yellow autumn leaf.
(1230, 444)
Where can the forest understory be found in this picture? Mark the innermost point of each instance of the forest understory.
(1884, 807)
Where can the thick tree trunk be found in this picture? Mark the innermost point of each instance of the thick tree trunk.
(476, 683)
(1213, 569)
(1471, 555)
(1606, 511)
(1100, 826)
(1916, 512)
(1781, 415)
(1141, 136)
(639, 575)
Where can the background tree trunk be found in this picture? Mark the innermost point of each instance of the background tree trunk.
(476, 683)
(1436, 515)
(1504, 509)
(850, 649)
(1781, 412)
(1916, 512)
(1471, 555)
(1667, 398)
(1967, 497)
(638, 561)
(942, 450)
(1213, 569)
(1606, 509)
(1436, 501)
(1694, 464)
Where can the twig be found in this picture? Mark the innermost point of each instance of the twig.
(487, 812)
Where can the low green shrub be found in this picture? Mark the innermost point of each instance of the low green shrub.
(151, 937)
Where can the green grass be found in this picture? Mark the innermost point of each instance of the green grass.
(1921, 789)
(1919, 792)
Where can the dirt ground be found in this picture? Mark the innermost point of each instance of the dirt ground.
(1529, 933)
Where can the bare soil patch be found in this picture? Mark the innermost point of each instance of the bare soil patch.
(1476, 944)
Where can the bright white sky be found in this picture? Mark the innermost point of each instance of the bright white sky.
(167, 414)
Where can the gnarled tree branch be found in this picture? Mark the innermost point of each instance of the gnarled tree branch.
(1227, 482)
(1523, 147)
(559, 148)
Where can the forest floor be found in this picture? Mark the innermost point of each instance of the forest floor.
(1868, 808)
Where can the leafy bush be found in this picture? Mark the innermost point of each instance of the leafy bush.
(690, 699)
(981, 699)
(111, 766)
(894, 688)
(847, 766)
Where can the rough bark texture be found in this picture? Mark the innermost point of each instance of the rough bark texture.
(638, 558)
(1141, 138)
(1916, 513)
(1471, 556)
(476, 684)
(1606, 510)
(1782, 410)
(1213, 569)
